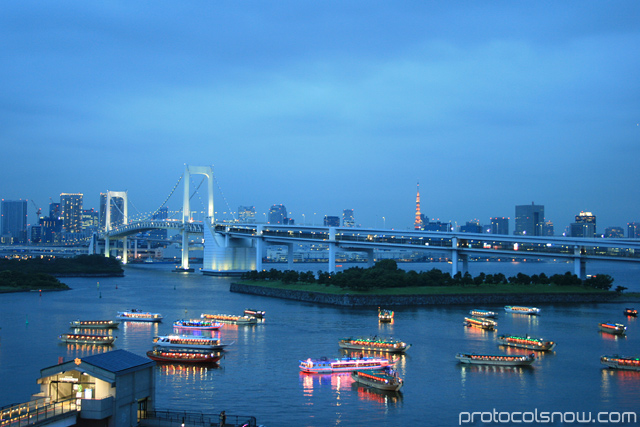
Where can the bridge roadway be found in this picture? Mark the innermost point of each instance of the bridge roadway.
(460, 246)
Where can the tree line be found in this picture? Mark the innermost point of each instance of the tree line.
(386, 274)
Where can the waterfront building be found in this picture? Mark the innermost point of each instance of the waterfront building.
(633, 230)
(278, 215)
(499, 225)
(347, 218)
(585, 225)
(614, 232)
(247, 214)
(14, 222)
(529, 220)
(331, 221)
(71, 212)
(418, 224)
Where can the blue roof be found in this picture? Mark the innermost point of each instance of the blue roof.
(117, 361)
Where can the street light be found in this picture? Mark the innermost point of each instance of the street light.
(303, 219)
(384, 222)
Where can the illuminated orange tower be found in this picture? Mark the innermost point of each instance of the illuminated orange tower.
(418, 225)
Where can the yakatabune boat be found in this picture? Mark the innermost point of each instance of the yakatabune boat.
(345, 364)
(526, 342)
(621, 362)
(139, 316)
(87, 339)
(255, 313)
(386, 379)
(612, 328)
(374, 344)
(189, 342)
(483, 313)
(521, 310)
(203, 325)
(230, 318)
(480, 323)
(495, 359)
(183, 356)
(631, 312)
(385, 316)
(94, 324)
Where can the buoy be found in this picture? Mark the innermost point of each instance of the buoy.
(100, 294)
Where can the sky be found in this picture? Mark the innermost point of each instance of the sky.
(326, 106)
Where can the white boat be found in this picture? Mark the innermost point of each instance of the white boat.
(87, 339)
(483, 313)
(374, 344)
(94, 324)
(483, 323)
(521, 310)
(496, 359)
(345, 364)
(189, 342)
(230, 318)
(139, 316)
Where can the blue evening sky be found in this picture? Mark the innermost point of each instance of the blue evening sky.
(327, 105)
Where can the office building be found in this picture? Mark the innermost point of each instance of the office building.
(116, 213)
(585, 225)
(159, 234)
(247, 214)
(71, 212)
(278, 215)
(614, 232)
(499, 225)
(438, 226)
(14, 222)
(548, 229)
(633, 230)
(529, 220)
(90, 219)
(331, 221)
(471, 227)
(348, 219)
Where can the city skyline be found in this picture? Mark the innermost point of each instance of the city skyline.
(326, 107)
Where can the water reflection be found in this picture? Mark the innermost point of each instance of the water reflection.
(524, 319)
(612, 337)
(491, 369)
(83, 350)
(388, 399)
(186, 371)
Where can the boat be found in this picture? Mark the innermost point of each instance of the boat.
(483, 313)
(259, 314)
(526, 342)
(94, 324)
(621, 362)
(612, 328)
(631, 312)
(487, 324)
(374, 344)
(345, 364)
(139, 316)
(189, 342)
(386, 379)
(230, 318)
(197, 324)
(385, 316)
(496, 359)
(87, 339)
(183, 356)
(521, 310)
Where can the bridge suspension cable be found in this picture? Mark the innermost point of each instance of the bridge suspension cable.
(167, 199)
(224, 198)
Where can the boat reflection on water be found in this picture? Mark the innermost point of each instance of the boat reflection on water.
(93, 331)
(83, 350)
(336, 381)
(186, 371)
(626, 377)
(514, 351)
(389, 399)
(140, 327)
(612, 337)
(490, 369)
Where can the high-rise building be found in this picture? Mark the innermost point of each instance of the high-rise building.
(54, 210)
(529, 220)
(116, 213)
(585, 225)
(499, 225)
(614, 232)
(159, 234)
(278, 214)
(71, 204)
(90, 219)
(348, 219)
(548, 229)
(633, 230)
(14, 222)
(438, 226)
(247, 214)
(51, 229)
(418, 224)
(331, 221)
(471, 227)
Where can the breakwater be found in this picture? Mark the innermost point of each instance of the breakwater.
(407, 300)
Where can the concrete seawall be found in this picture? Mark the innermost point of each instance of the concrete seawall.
(404, 300)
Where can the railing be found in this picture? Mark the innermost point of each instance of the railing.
(188, 419)
(35, 411)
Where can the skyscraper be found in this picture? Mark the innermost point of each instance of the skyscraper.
(71, 206)
(14, 221)
(347, 218)
(116, 213)
(247, 214)
(331, 221)
(585, 225)
(278, 214)
(529, 220)
(418, 224)
(633, 230)
(499, 225)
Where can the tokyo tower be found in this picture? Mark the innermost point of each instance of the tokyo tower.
(418, 225)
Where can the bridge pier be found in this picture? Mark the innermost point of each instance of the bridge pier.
(290, 256)
(454, 256)
(579, 264)
(125, 250)
(332, 250)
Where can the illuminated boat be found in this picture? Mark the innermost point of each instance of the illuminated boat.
(189, 342)
(612, 328)
(480, 323)
(621, 362)
(386, 379)
(496, 359)
(374, 344)
(139, 316)
(94, 324)
(526, 342)
(87, 339)
(183, 356)
(197, 324)
(259, 314)
(230, 318)
(483, 313)
(345, 364)
(521, 310)
(385, 316)
(631, 312)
